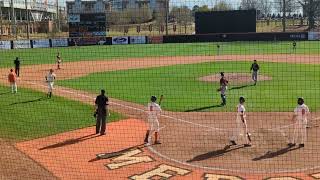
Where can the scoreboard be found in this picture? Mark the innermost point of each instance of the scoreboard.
(87, 25)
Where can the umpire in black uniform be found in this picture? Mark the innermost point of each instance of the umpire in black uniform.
(101, 106)
(17, 66)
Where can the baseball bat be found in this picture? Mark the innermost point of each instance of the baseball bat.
(161, 98)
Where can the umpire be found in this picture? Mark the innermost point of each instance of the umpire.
(101, 106)
(17, 66)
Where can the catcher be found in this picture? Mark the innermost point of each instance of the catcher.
(223, 88)
(154, 111)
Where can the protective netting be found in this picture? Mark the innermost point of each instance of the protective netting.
(160, 90)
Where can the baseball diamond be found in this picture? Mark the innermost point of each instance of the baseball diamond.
(160, 89)
(170, 91)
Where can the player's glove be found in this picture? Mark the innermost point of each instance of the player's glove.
(95, 114)
(219, 89)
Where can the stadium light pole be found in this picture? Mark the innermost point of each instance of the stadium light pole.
(58, 19)
(167, 15)
(13, 20)
(27, 16)
(1, 27)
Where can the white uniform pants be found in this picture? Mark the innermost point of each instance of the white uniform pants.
(50, 86)
(300, 129)
(154, 124)
(13, 87)
(240, 133)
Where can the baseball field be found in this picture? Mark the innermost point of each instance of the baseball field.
(52, 135)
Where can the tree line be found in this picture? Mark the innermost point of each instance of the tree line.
(276, 9)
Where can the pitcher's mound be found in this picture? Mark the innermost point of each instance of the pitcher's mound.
(234, 78)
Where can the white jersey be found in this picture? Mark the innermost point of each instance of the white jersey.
(301, 111)
(241, 109)
(154, 110)
(50, 77)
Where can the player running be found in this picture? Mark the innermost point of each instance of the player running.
(300, 126)
(241, 122)
(154, 111)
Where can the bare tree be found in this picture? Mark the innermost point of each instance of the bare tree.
(264, 6)
(182, 15)
(222, 6)
(285, 7)
(311, 8)
(249, 4)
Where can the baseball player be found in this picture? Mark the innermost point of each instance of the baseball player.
(154, 111)
(241, 122)
(218, 49)
(50, 78)
(17, 66)
(58, 60)
(300, 126)
(294, 46)
(255, 68)
(223, 88)
(12, 78)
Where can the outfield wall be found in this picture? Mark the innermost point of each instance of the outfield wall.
(122, 40)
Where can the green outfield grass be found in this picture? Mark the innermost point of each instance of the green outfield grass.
(81, 53)
(28, 115)
(184, 92)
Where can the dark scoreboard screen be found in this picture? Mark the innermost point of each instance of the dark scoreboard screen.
(90, 25)
(239, 21)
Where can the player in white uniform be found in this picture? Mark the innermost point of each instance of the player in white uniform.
(300, 127)
(154, 111)
(241, 122)
(50, 78)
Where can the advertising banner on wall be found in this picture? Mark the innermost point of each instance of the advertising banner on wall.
(313, 36)
(74, 18)
(21, 44)
(137, 39)
(59, 42)
(5, 45)
(155, 39)
(120, 40)
(40, 43)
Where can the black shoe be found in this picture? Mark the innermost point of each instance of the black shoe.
(157, 142)
(291, 144)
(233, 143)
(247, 145)
(301, 145)
(101, 134)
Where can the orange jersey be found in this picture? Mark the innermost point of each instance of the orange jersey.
(12, 77)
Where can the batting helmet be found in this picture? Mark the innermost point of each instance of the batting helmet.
(222, 73)
(300, 100)
(153, 98)
(242, 100)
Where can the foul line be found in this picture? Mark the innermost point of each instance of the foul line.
(200, 125)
